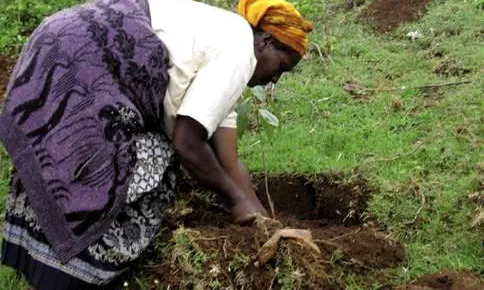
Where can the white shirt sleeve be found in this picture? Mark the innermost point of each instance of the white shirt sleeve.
(214, 91)
(230, 121)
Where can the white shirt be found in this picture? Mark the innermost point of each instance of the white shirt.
(212, 59)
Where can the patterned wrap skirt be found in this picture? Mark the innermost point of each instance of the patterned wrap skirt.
(110, 56)
(151, 190)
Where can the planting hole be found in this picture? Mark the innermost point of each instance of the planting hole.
(330, 208)
(319, 197)
(323, 198)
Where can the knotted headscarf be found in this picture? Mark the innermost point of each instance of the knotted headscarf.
(280, 19)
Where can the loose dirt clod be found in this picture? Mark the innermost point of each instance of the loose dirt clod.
(385, 15)
(447, 280)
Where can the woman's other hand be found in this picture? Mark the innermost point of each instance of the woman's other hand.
(246, 209)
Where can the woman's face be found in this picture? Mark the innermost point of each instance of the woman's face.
(272, 62)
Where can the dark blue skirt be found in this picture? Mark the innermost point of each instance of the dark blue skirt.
(39, 275)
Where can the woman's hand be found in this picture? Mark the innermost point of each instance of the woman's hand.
(246, 208)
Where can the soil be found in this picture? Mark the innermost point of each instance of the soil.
(447, 280)
(6, 66)
(351, 4)
(386, 15)
(333, 210)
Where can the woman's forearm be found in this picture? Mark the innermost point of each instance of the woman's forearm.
(240, 175)
(201, 163)
(198, 157)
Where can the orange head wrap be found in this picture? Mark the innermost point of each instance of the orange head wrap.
(280, 19)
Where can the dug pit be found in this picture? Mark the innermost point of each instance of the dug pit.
(386, 15)
(447, 280)
(200, 249)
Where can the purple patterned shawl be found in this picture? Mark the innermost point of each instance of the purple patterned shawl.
(88, 79)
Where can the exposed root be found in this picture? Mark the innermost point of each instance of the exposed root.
(209, 239)
(269, 249)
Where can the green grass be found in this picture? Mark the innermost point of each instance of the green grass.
(409, 143)
(430, 145)
(19, 18)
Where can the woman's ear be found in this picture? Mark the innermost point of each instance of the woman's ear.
(267, 40)
(262, 41)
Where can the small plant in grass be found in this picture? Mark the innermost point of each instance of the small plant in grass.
(258, 103)
(257, 106)
(195, 264)
(186, 253)
(285, 272)
(238, 266)
(240, 261)
(181, 208)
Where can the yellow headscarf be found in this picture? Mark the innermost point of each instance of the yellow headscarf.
(280, 19)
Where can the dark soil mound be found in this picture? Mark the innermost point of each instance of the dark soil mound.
(203, 251)
(386, 15)
(447, 280)
(6, 66)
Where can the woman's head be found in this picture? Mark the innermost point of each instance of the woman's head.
(280, 37)
(273, 59)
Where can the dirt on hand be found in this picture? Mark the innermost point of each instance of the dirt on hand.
(386, 15)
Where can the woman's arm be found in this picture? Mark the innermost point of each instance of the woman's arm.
(224, 144)
(198, 157)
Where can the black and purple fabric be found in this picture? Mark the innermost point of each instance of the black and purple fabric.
(85, 98)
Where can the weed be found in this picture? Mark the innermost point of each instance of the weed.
(285, 274)
(237, 266)
(186, 253)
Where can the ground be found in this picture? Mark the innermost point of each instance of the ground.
(6, 65)
(343, 234)
(448, 280)
(385, 15)
(379, 155)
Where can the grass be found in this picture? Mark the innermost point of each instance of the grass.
(408, 142)
(20, 17)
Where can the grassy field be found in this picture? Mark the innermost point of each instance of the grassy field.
(415, 138)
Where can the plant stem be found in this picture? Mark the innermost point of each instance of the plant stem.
(266, 181)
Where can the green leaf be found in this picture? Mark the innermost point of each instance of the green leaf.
(260, 93)
(243, 111)
(270, 118)
(268, 130)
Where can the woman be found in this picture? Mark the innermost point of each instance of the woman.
(104, 99)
